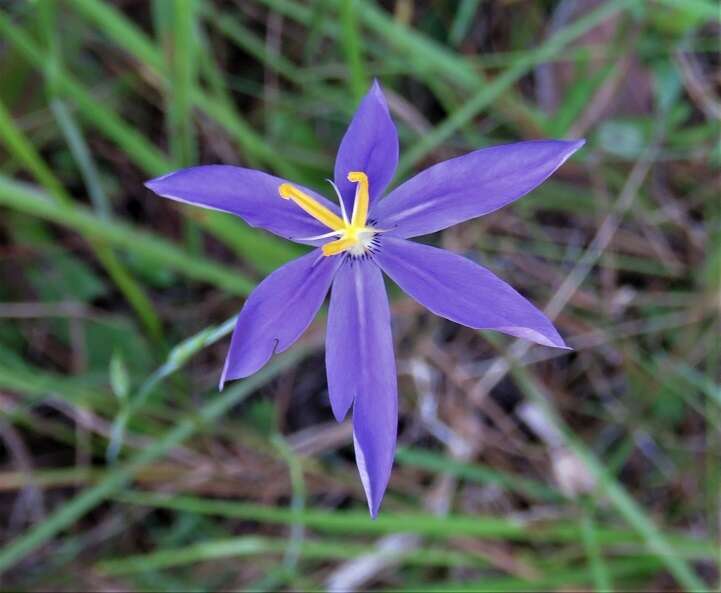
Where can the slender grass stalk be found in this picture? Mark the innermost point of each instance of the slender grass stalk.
(297, 540)
(24, 151)
(554, 579)
(703, 10)
(475, 473)
(352, 48)
(181, 53)
(254, 546)
(131, 289)
(601, 577)
(131, 39)
(135, 145)
(247, 40)
(24, 198)
(357, 522)
(612, 489)
(79, 149)
(123, 278)
(72, 510)
(177, 358)
(462, 21)
(491, 92)
(89, 107)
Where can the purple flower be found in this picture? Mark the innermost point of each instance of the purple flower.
(355, 242)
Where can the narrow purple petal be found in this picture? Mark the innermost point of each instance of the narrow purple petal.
(341, 351)
(362, 370)
(252, 195)
(469, 186)
(277, 312)
(370, 144)
(460, 290)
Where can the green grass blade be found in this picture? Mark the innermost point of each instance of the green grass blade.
(254, 546)
(553, 579)
(601, 577)
(352, 48)
(491, 92)
(251, 43)
(89, 107)
(358, 522)
(72, 510)
(83, 157)
(24, 198)
(475, 473)
(255, 246)
(136, 146)
(613, 490)
(18, 145)
(131, 39)
(176, 359)
(182, 54)
(462, 21)
(699, 9)
(132, 290)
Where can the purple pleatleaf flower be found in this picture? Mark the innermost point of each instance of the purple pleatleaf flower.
(356, 240)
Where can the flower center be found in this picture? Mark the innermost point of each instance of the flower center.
(352, 235)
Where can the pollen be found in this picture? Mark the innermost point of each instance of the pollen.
(354, 235)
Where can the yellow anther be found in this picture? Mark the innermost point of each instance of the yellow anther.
(353, 236)
(338, 246)
(360, 205)
(311, 206)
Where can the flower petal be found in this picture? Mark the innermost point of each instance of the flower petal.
(460, 290)
(252, 195)
(277, 312)
(469, 186)
(362, 370)
(370, 145)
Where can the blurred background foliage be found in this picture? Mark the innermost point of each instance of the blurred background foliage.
(519, 468)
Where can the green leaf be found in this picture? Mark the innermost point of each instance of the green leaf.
(119, 377)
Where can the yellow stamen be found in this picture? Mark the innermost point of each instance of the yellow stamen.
(360, 205)
(353, 236)
(311, 206)
(336, 247)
